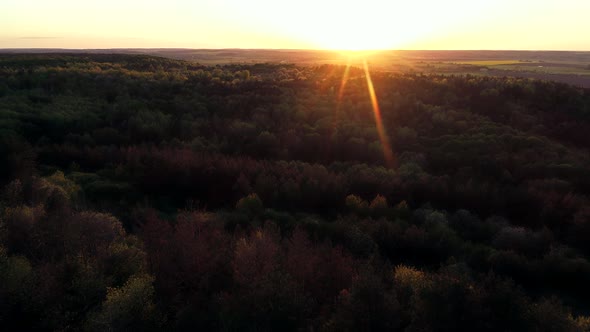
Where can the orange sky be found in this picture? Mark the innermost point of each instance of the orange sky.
(317, 24)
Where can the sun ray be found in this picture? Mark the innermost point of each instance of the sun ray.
(387, 152)
(344, 81)
(340, 94)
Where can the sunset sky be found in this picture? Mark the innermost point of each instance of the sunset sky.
(316, 24)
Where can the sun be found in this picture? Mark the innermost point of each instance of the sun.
(356, 36)
(357, 26)
(347, 25)
(375, 24)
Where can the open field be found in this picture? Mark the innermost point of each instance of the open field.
(495, 62)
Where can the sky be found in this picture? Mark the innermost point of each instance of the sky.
(301, 24)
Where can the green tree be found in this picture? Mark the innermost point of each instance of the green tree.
(251, 205)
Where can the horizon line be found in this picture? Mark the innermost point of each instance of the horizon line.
(288, 49)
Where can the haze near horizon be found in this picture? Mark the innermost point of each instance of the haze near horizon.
(306, 24)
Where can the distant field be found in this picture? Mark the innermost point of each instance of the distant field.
(548, 69)
(530, 66)
(494, 62)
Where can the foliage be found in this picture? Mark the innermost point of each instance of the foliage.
(128, 308)
(144, 193)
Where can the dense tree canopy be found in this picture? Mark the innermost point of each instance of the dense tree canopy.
(140, 193)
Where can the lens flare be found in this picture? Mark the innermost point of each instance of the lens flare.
(387, 152)
(340, 95)
(344, 81)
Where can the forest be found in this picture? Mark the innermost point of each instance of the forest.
(139, 193)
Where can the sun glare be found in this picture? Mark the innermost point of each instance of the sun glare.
(351, 26)
(356, 35)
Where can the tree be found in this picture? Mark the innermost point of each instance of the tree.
(129, 308)
(379, 206)
(357, 204)
(323, 270)
(16, 291)
(266, 298)
(368, 306)
(256, 257)
(251, 205)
